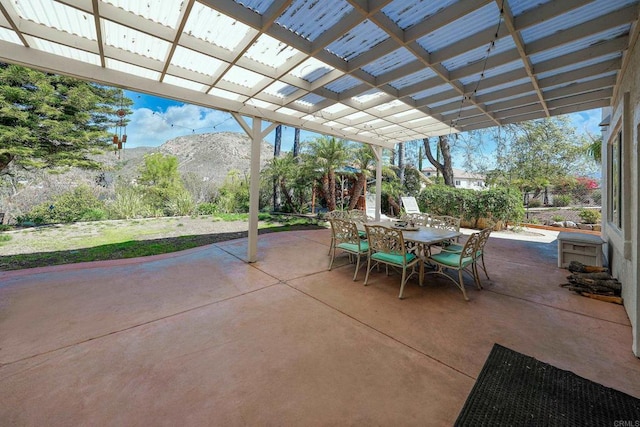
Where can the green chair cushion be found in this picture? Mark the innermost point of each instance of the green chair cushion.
(453, 247)
(451, 259)
(352, 247)
(392, 258)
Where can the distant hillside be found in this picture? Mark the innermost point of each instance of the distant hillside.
(210, 155)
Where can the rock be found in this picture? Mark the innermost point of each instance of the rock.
(570, 224)
(585, 226)
(556, 224)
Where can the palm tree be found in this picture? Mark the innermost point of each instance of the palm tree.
(282, 170)
(363, 159)
(329, 154)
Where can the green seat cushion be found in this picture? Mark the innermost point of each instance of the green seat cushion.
(454, 247)
(451, 259)
(352, 247)
(392, 258)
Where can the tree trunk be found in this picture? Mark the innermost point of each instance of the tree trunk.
(357, 190)
(276, 153)
(331, 200)
(296, 142)
(446, 167)
(5, 159)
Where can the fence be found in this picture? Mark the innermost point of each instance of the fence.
(555, 205)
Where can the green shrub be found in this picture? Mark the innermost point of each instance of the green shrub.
(66, 207)
(494, 204)
(206, 208)
(589, 216)
(5, 227)
(128, 203)
(534, 203)
(596, 195)
(180, 204)
(557, 218)
(94, 214)
(5, 238)
(562, 200)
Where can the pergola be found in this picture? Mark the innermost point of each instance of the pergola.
(373, 71)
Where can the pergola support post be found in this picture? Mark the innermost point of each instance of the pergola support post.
(256, 134)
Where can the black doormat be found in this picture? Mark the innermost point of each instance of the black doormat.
(517, 390)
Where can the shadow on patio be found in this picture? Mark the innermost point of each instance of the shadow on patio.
(201, 338)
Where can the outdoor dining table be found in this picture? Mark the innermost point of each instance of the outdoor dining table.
(422, 236)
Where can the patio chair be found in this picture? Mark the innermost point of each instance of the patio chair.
(423, 219)
(358, 215)
(346, 238)
(484, 237)
(335, 215)
(386, 246)
(460, 262)
(446, 222)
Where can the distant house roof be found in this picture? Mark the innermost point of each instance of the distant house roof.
(457, 173)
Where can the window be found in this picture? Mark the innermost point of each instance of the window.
(615, 181)
(457, 182)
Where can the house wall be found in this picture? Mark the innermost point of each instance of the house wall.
(623, 245)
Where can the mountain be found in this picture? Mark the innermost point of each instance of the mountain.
(209, 155)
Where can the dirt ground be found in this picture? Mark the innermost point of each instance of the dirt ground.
(83, 234)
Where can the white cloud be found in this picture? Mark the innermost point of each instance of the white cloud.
(587, 121)
(153, 128)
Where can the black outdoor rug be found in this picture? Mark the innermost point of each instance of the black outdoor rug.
(517, 390)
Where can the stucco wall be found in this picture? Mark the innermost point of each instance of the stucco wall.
(623, 245)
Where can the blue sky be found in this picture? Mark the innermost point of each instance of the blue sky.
(156, 120)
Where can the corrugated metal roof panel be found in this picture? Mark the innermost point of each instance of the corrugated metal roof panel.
(571, 19)
(342, 84)
(213, 27)
(259, 6)
(369, 95)
(310, 18)
(480, 53)
(195, 61)
(408, 13)
(311, 99)
(165, 12)
(585, 79)
(131, 40)
(57, 15)
(357, 41)
(242, 77)
(413, 78)
(577, 45)
(393, 60)
(485, 17)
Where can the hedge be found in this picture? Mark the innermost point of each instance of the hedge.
(497, 204)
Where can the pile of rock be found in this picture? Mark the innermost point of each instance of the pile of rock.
(572, 224)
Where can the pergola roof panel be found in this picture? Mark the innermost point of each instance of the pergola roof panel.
(371, 71)
(311, 18)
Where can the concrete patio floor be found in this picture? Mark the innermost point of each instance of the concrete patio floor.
(201, 338)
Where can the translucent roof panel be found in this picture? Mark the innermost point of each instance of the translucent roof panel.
(134, 41)
(56, 15)
(310, 18)
(574, 17)
(335, 66)
(389, 62)
(485, 17)
(407, 14)
(357, 41)
(195, 61)
(212, 26)
(165, 12)
(311, 70)
(67, 52)
(271, 52)
(342, 84)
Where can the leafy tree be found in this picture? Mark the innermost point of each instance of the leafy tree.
(161, 182)
(49, 121)
(363, 158)
(329, 154)
(283, 172)
(78, 204)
